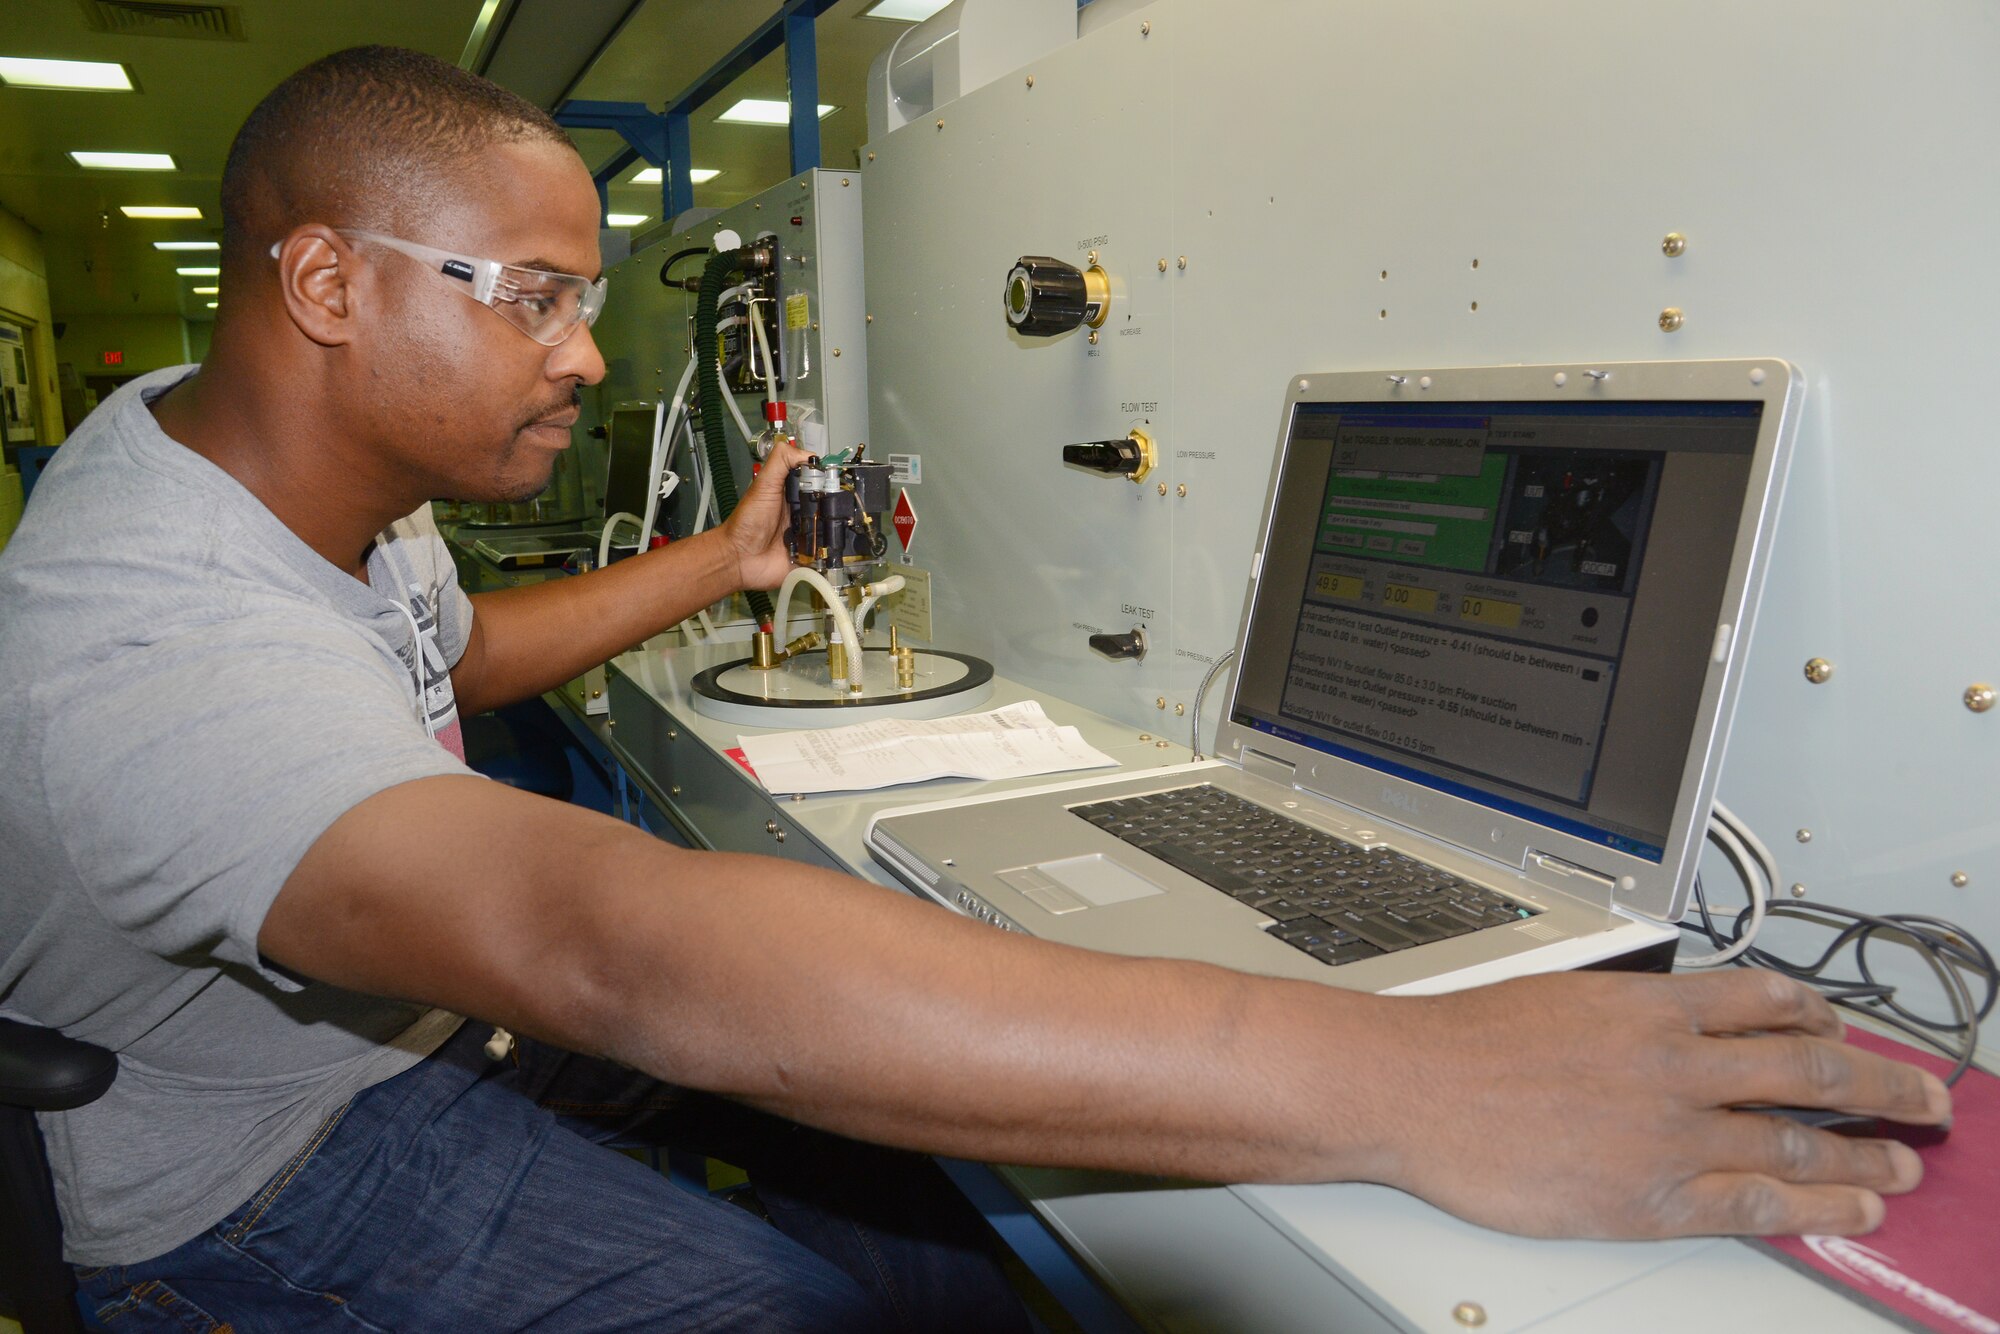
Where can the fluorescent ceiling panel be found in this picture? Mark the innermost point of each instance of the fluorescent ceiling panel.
(158, 211)
(213, 304)
(187, 245)
(199, 273)
(904, 11)
(761, 111)
(206, 291)
(88, 75)
(624, 219)
(699, 175)
(123, 161)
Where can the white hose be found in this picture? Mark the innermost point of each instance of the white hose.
(604, 539)
(742, 424)
(664, 424)
(843, 623)
(764, 346)
(874, 593)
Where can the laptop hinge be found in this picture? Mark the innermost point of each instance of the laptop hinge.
(1260, 765)
(1581, 879)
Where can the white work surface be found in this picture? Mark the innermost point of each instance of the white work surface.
(1345, 1257)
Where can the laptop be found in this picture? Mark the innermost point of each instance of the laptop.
(1495, 626)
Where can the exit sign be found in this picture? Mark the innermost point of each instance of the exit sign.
(114, 358)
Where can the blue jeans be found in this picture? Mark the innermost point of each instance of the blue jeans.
(472, 1195)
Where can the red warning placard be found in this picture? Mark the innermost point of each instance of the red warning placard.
(905, 520)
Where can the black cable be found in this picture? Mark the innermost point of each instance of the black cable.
(1947, 948)
(676, 258)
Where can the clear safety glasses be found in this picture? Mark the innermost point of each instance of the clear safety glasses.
(545, 306)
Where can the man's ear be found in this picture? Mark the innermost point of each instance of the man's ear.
(317, 270)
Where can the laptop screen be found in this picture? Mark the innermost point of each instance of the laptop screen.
(1510, 602)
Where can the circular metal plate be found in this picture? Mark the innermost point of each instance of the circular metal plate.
(799, 692)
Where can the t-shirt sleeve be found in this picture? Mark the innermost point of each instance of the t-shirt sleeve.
(187, 777)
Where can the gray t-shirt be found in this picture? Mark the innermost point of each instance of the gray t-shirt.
(191, 697)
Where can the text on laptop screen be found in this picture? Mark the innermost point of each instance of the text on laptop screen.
(1510, 602)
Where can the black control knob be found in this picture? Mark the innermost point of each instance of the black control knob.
(1045, 296)
(1121, 646)
(1132, 457)
(1120, 458)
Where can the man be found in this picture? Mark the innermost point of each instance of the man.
(234, 649)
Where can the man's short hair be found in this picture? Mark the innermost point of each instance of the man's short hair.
(366, 137)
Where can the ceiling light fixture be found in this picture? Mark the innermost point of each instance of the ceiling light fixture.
(904, 11)
(123, 161)
(624, 219)
(762, 111)
(213, 304)
(187, 245)
(158, 211)
(699, 175)
(83, 75)
(199, 273)
(207, 291)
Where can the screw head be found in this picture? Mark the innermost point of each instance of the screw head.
(1163, 488)
(1674, 244)
(871, 157)
(1031, 80)
(1146, 29)
(1145, 736)
(1182, 263)
(1671, 319)
(1163, 264)
(1798, 891)
(871, 319)
(1805, 835)
(1470, 1314)
(843, 182)
(836, 352)
(1979, 697)
(1960, 879)
(1181, 490)
(940, 123)
(1819, 671)
(1160, 703)
(1180, 710)
(1093, 338)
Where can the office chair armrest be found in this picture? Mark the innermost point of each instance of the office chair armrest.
(44, 1071)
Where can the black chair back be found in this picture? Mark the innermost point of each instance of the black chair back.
(40, 1071)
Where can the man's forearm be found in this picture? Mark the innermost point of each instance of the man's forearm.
(853, 1008)
(530, 639)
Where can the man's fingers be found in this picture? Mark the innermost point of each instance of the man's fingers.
(1751, 1000)
(1774, 1146)
(1814, 1072)
(1748, 1204)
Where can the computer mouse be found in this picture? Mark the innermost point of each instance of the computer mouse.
(1859, 1125)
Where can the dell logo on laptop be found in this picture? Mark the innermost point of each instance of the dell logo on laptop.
(1401, 799)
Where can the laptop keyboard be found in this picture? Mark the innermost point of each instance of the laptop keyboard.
(1335, 900)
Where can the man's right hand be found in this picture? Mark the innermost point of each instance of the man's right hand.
(1602, 1105)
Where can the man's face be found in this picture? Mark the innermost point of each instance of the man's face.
(473, 405)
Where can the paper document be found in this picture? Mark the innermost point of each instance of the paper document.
(1004, 743)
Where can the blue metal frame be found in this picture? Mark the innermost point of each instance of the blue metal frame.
(663, 138)
(1087, 1303)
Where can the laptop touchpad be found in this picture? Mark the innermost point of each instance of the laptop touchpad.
(1075, 883)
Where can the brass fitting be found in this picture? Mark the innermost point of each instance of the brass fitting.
(763, 653)
(906, 668)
